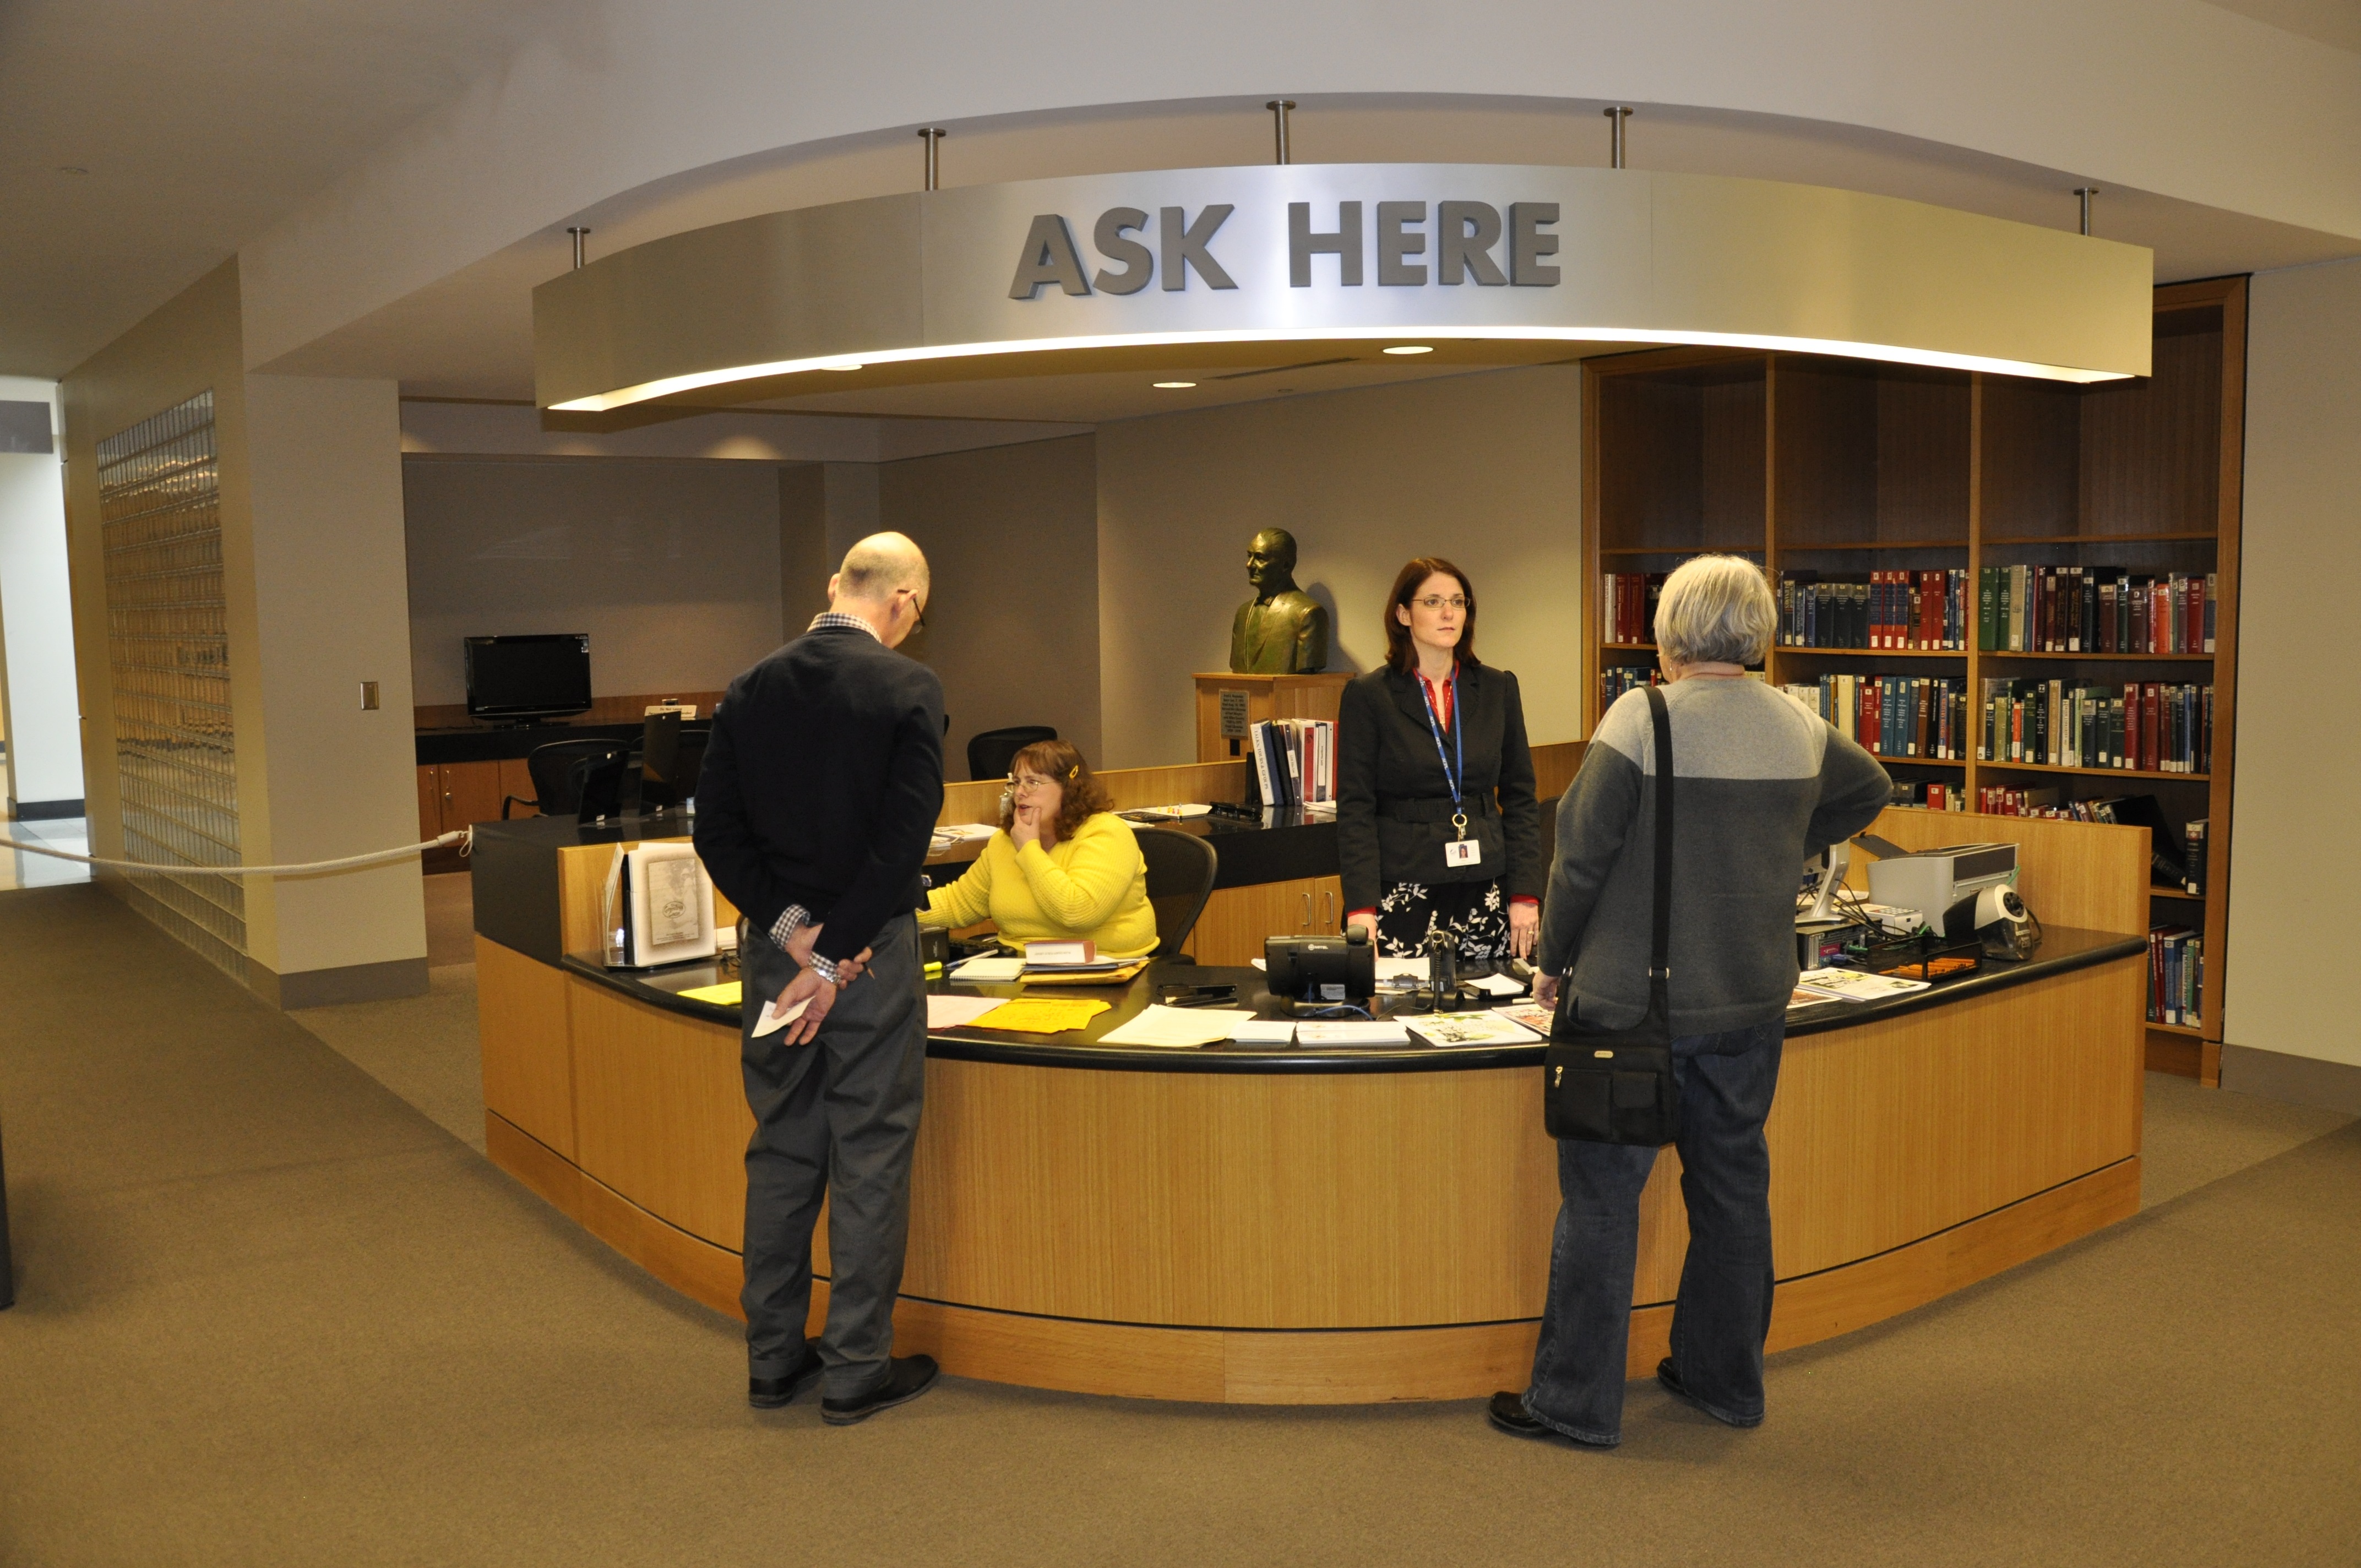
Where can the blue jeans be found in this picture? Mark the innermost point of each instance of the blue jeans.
(1723, 1313)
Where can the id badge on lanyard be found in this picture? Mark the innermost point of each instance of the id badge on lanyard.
(1461, 850)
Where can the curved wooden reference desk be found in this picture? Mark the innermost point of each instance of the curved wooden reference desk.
(1317, 1226)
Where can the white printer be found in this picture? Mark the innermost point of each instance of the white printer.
(1941, 885)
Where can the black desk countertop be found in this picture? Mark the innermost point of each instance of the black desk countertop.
(515, 863)
(488, 743)
(2064, 950)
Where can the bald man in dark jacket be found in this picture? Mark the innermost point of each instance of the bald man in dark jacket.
(815, 810)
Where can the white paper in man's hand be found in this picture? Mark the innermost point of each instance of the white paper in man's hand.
(772, 1022)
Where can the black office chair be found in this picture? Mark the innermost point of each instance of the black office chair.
(989, 754)
(559, 771)
(1181, 869)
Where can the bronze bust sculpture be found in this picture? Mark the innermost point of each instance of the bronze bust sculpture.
(1282, 631)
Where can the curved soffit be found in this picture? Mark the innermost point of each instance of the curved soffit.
(1484, 263)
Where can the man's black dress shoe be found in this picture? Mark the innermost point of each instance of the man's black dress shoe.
(770, 1393)
(906, 1378)
(1671, 1379)
(1508, 1413)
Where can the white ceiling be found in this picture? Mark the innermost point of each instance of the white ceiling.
(200, 126)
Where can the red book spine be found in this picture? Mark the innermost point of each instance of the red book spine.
(2151, 725)
(2129, 756)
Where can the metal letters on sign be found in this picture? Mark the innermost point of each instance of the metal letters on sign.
(1466, 235)
(1306, 248)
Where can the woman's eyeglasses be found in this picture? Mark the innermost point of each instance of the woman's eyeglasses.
(1436, 601)
(1028, 782)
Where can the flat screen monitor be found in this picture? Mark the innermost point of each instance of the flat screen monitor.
(543, 676)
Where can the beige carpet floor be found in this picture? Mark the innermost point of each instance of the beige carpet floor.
(270, 1313)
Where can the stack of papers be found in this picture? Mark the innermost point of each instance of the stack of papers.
(1471, 1029)
(1265, 1032)
(1531, 1014)
(1848, 985)
(1114, 972)
(1351, 1032)
(1156, 1024)
(990, 971)
(1165, 813)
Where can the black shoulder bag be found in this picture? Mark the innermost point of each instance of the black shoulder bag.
(1616, 1086)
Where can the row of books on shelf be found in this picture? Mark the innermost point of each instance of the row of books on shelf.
(1616, 679)
(2094, 609)
(1895, 716)
(2018, 609)
(1876, 610)
(1294, 760)
(2151, 726)
(1930, 796)
(1627, 604)
(2176, 976)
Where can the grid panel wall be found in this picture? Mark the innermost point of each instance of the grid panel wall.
(167, 655)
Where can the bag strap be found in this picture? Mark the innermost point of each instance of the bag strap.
(1660, 972)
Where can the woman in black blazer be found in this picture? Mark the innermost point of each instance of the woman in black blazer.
(1436, 824)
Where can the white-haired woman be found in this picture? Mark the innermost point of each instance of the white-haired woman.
(1759, 783)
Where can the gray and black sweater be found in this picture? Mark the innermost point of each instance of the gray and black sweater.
(1759, 783)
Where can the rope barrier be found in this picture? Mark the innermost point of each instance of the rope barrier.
(465, 838)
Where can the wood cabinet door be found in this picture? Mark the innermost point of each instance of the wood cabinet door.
(1238, 920)
(516, 780)
(430, 803)
(471, 793)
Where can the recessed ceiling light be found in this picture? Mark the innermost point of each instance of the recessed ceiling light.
(1174, 386)
(1410, 349)
(73, 168)
(840, 366)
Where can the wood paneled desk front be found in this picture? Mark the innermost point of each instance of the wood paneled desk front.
(1170, 1225)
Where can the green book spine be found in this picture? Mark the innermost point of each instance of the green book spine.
(2003, 606)
(1987, 597)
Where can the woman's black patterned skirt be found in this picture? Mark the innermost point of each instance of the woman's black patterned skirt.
(1473, 910)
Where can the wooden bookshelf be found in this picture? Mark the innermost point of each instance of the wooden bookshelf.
(1843, 466)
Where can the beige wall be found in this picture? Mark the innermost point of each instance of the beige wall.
(2296, 859)
(673, 568)
(1485, 471)
(1012, 626)
(310, 517)
(331, 612)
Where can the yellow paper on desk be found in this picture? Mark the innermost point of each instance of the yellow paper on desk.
(1039, 1015)
(726, 995)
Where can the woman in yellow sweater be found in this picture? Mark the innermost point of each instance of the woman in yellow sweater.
(1063, 864)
